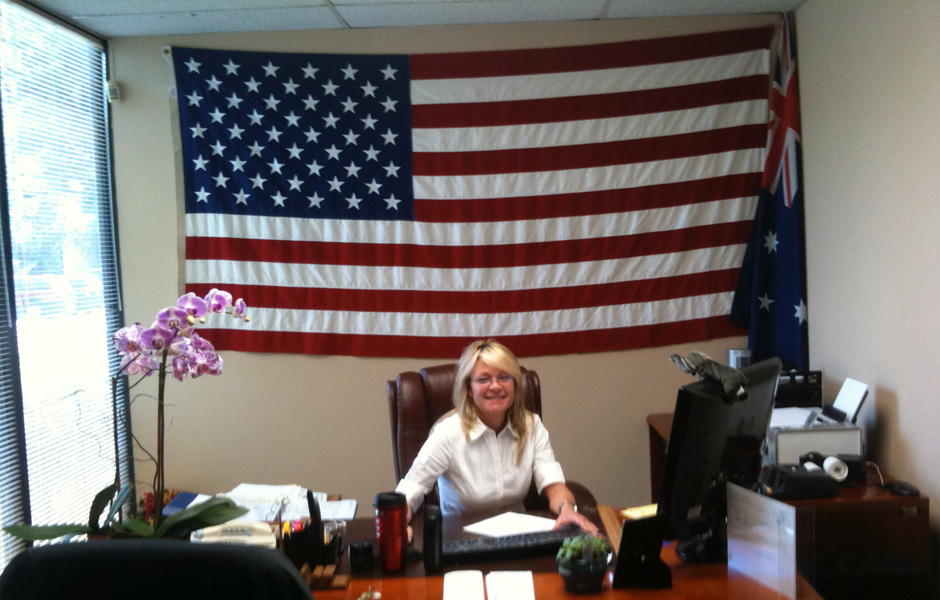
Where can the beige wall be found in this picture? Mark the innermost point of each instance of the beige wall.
(322, 421)
(870, 77)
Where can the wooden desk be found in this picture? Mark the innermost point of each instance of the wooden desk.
(703, 581)
(863, 518)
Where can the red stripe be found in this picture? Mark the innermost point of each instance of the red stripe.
(582, 156)
(599, 106)
(623, 338)
(472, 302)
(588, 203)
(579, 58)
(467, 257)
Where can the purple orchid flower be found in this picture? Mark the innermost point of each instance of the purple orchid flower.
(157, 338)
(127, 339)
(218, 300)
(194, 306)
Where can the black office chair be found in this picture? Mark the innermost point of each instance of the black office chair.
(151, 569)
(417, 400)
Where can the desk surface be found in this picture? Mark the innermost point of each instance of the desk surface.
(704, 581)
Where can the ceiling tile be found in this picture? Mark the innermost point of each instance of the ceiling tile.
(360, 14)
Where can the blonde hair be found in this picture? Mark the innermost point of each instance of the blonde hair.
(500, 357)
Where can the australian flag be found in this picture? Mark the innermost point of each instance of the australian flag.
(770, 298)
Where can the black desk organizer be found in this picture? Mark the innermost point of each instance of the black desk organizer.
(638, 560)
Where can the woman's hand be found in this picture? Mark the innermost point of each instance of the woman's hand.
(568, 515)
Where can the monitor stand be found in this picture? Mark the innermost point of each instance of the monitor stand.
(707, 547)
(638, 559)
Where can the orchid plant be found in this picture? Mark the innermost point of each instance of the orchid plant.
(172, 345)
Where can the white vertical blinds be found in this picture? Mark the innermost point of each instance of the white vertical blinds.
(58, 218)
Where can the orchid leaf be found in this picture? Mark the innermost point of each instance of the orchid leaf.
(118, 503)
(137, 526)
(214, 511)
(35, 533)
(97, 506)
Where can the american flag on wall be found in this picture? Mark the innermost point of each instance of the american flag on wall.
(771, 296)
(563, 200)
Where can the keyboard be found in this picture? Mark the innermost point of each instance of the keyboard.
(519, 545)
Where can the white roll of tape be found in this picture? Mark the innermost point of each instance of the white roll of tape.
(811, 466)
(837, 469)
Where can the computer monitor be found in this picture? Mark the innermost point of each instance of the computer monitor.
(713, 440)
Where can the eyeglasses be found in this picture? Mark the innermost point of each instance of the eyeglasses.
(485, 381)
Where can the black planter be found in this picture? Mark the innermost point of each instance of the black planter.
(583, 577)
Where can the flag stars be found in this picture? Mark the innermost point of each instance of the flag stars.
(270, 69)
(217, 115)
(202, 195)
(352, 170)
(389, 137)
(217, 148)
(271, 102)
(354, 201)
(330, 121)
(351, 137)
(235, 132)
(314, 168)
(333, 152)
(389, 104)
(310, 103)
(335, 184)
(329, 88)
(233, 101)
(256, 148)
(279, 199)
(389, 72)
(241, 197)
(276, 166)
(200, 163)
(349, 72)
(231, 68)
(252, 85)
(312, 135)
(294, 183)
(368, 90)
(315, 200)
(310, 71)
(290, 87)
(194, 99)
(369, 122)
(257, 181)
(192, 66)
(220, 180)
(198, 130)
(238, 164)
(771, 242)
(371, 153)
(255, 117)
(274, 134)
(295, 151)
(765, 302)
(292, 119)
(391, 170)
(800, 312)
(213, 83)
(392, 202)
(374, 186)
(349, 105)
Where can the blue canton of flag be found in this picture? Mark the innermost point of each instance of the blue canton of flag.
(295, 135)
(770, 298)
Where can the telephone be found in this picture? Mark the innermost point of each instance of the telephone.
(253, 533)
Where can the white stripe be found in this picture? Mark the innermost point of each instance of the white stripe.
(470, 234)
(615, 177)
(461, 280)
(590, 131)
(523, 323)
(581, 83)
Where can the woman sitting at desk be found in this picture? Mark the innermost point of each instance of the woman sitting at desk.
(485, 452)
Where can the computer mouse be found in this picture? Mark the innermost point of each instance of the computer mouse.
(902, 488)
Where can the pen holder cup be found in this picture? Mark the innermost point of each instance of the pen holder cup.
(301, 547)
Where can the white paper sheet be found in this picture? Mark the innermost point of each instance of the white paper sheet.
(510, 523)
(463, 585)
(510, 585)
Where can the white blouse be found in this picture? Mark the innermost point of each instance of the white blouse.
(480, 474)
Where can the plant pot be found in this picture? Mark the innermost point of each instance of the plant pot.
(583, 577)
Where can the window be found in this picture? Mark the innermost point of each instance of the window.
(57, 419)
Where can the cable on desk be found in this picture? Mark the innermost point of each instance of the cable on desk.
(880, 476)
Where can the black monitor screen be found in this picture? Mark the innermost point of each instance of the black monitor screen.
(713, 440)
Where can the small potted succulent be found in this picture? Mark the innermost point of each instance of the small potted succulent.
(582, 562)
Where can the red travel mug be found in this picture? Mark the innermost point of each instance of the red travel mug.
(391, 529)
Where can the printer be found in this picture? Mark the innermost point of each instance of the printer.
(829, 430)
